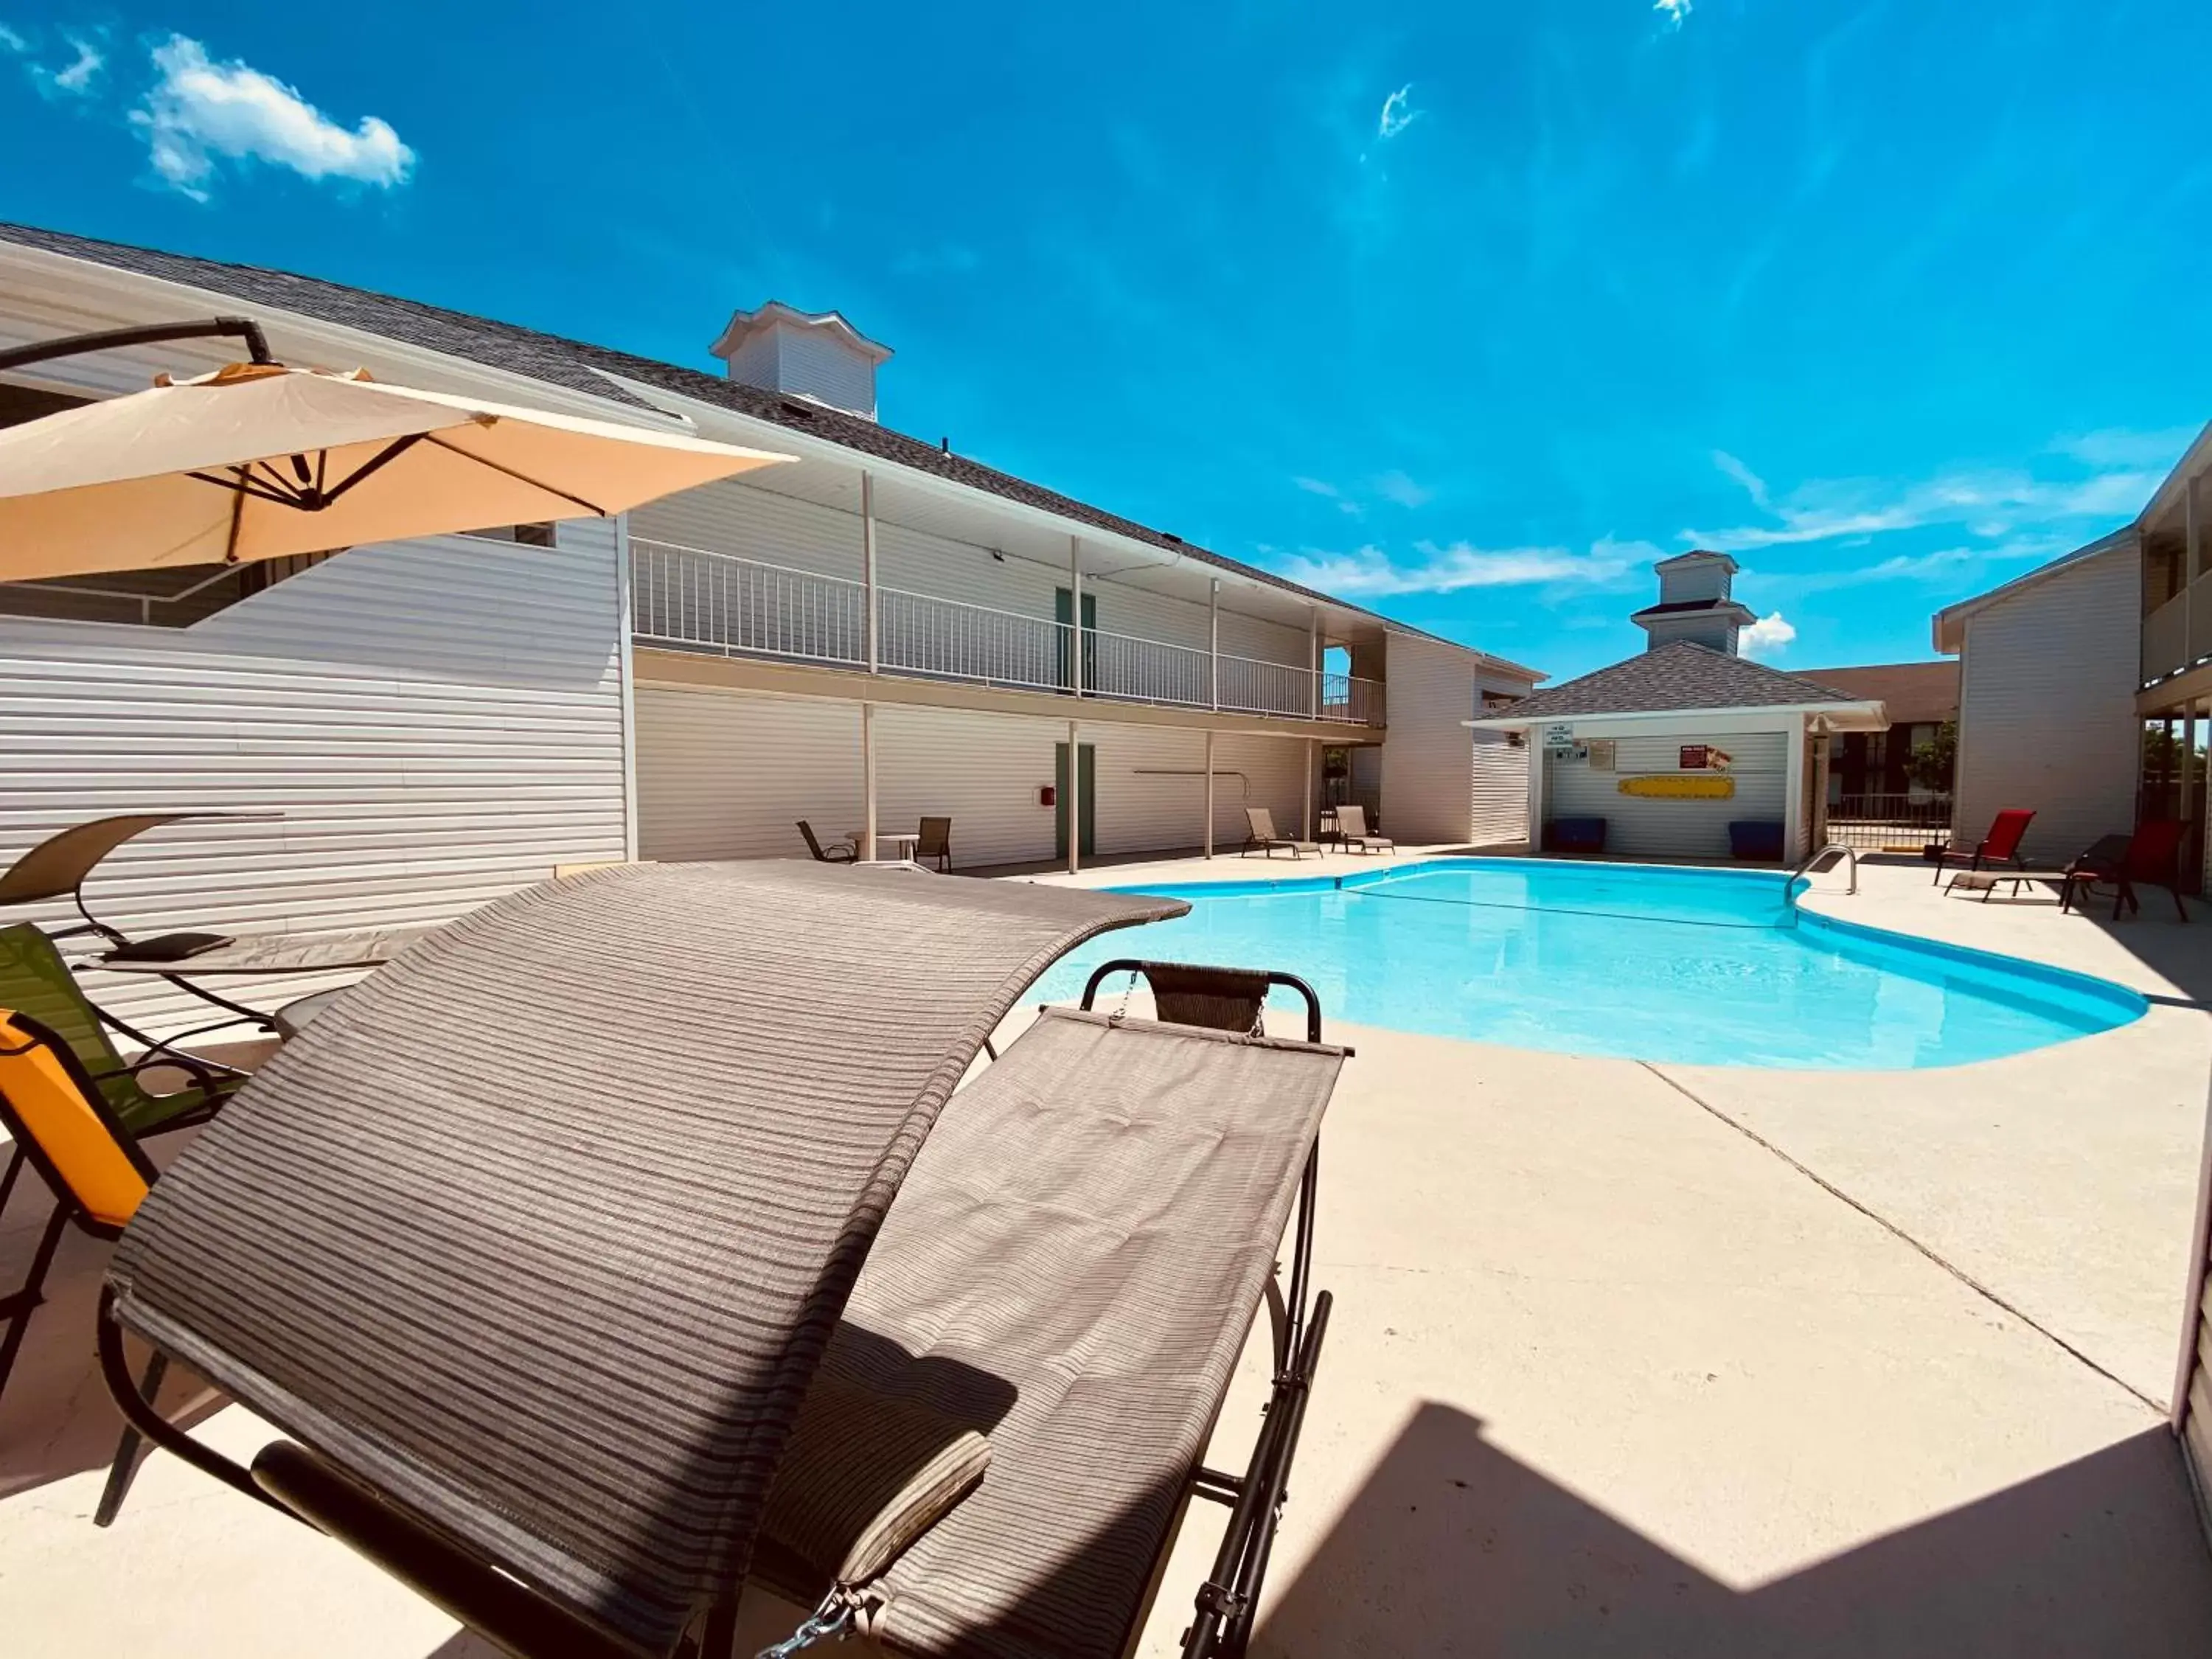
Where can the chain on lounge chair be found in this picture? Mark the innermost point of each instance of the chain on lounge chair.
(546, 1366)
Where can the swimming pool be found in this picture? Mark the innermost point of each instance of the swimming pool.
(1697, 967)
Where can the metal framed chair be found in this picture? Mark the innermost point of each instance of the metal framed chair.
(838, 852)
(2000, 845)
(61, 1117)
(36, 984)
(575, 1449)
(935, 844)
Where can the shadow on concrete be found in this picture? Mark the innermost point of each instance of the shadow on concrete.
(1453, 1546)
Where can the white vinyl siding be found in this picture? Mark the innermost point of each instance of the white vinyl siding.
(439, 722)
(1653, 826)
(726, 776)
(2046, 708)
(1428, 754)
(1500, 791)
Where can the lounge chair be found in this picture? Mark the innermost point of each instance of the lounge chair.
(59, 867)
(569, 1383)
(935, 844)
(1352, 827)
(2000, 845)
(1259, 831)
(838, 852)
(37, 986)
(2151, 858)
(62, 1116)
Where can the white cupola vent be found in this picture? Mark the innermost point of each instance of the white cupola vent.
(814, 355)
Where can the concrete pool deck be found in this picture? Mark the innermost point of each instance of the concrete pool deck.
(1625, 1360)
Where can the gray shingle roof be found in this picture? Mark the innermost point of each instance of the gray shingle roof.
(1683, 675)
(579, 366)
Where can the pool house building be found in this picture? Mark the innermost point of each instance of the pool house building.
(1687, 750)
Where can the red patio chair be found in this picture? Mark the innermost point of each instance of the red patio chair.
(2152, 857)
(2000, 845)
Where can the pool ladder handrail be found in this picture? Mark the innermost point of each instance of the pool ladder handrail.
(1804, 867)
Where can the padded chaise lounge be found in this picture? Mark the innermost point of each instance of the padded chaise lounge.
(581, 1295)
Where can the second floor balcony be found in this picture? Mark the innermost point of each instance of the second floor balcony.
(688, 598)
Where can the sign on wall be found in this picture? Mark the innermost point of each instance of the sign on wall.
(1673, 786)
(1560, 738)
(1600, 750)
(1704, 757)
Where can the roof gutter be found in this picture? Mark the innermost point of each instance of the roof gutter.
(1506, 720)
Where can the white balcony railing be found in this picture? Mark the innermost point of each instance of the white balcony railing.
(693, 599)
(680, 596)
(946, 639)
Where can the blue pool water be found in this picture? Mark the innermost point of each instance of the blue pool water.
(1698, 967)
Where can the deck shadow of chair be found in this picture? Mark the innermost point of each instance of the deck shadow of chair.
(2151, 857)
(934, 844)
(837, 851)
(2000, 845)
(1451, 1545)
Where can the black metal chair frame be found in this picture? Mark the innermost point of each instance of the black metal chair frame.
(843, 855)
(293, 1480)
(237, 1013)
(1228, 1602)
(19, 1304)
(942, 852)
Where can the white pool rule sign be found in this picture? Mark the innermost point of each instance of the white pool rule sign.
(1560, 738)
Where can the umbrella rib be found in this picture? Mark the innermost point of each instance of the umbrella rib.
(244, 484)
(520, 478)
(391, 452)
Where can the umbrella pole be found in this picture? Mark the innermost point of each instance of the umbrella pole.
(75, 346)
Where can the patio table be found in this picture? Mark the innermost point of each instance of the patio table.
(902, 841)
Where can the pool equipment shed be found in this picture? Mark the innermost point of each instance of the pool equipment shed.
(1686, 751)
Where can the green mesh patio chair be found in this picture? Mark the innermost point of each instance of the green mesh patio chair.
(35, 982)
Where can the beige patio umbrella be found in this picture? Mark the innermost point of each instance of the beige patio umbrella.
(258, 460)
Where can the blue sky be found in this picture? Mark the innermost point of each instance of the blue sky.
(1469, 310)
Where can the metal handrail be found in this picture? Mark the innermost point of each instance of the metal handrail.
(1804, 867)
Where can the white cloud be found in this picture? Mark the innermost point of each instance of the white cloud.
(2120, 447)
(1673, 10)
(1449, 570)
(1942, 563)
(11, 42)
(1398, 112)
(1754, 486)
(1770, 636)
(1395, 486)
(200, 111)
(1988, 504)
(1329, 492)
(76, 78)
